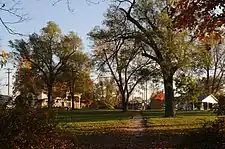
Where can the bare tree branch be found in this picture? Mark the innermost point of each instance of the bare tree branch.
(12, 11)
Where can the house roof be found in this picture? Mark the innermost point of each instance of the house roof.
(208, 99)
(158, 96)
(202, 97)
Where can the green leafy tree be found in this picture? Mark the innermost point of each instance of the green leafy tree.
(77, 74)
(122, 58)
(48, 53)
(187, 88)
(151, 25)
(210, 63)
(110, 92)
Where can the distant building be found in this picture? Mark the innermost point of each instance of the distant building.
(139, 96)
(157, 100)
(59, 101)
(206, 102)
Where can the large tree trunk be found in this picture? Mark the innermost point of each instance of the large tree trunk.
(169, 95)
(50, 96)
(124, 104)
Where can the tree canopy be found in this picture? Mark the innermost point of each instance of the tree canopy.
(47, 53)
(151, 26)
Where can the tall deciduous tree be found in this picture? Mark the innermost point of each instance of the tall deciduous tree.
(48, 53)
(153, 27)
(210, 62)
(120, 57)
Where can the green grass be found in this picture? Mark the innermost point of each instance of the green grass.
(93, 115)
(93, 121)
(93, 127)
(160, 113)
(182, 123)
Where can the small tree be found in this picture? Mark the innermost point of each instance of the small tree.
(187, 88)
(77, 74)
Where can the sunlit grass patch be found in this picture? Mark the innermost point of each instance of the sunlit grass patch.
(93, 115)
(179, 124)
(93, 127)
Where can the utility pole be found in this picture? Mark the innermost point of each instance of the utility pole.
(9, 72)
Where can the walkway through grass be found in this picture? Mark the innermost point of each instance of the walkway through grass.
(108, 129)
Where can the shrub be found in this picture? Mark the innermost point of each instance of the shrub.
(26, 128)
(220, 109)
(212, 135)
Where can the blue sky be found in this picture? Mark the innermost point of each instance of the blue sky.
(81, 21)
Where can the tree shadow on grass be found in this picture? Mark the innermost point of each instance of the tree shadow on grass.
(127, 140)
(93, 115)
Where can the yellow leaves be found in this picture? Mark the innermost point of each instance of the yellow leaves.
(71, 42)
(27, 64)
(4, 55)
(212, 39)
(164, 21)
(51, 29)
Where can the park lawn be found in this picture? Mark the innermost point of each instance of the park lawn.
(97, 127)
(86, 122)
(184, 122)
(165, 132)
(93, 115)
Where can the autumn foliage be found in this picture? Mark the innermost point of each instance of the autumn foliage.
(204, 17)
(22, 128)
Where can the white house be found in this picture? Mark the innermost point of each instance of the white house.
(60, 102)
(207, 102)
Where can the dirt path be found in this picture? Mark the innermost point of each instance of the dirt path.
(134, 136)
(122, 138)
(135, 131)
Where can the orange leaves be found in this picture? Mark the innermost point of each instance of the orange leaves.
(200, 16)
(215, 36)
(27, 64)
